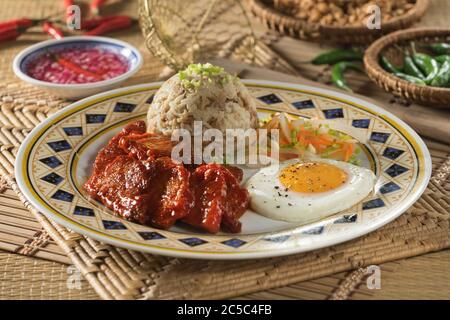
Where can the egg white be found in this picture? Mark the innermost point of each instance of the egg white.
(270, 198)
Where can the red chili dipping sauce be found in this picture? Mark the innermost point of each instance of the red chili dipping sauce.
(77, 65)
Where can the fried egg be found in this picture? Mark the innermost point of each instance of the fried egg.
(307, 191)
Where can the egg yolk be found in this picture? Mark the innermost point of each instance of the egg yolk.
(312, 177)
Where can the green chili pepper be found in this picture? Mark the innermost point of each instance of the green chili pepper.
(427, 65)
(335, 56)
(440, 48)
(441, 59)
(337, 73)
(387, 65)
(442, 79)
(411, 68)
(410, 78)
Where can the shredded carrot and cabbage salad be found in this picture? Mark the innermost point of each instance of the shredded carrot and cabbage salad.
(299, 137)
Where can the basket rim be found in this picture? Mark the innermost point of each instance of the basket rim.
(419, 9)
(371, 56)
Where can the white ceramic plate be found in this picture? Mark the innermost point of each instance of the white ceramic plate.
(56, 159)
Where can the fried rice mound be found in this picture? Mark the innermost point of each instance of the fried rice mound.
(202, 92)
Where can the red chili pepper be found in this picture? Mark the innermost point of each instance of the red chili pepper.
(9, 33)
(52, 30)
(74, 67)
(12, 32)
(95, 6)
(111, 25)
(23, 22)
(89, 24)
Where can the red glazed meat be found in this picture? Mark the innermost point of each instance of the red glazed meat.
(219, 200)
(134, 177)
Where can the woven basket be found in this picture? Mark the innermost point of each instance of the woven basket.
(356, 35)
(391, 46)
(180, 32)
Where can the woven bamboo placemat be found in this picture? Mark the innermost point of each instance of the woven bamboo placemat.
(22, 234)
(422, 277)
(22, 277)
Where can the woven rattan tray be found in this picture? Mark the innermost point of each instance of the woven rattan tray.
(291, 26)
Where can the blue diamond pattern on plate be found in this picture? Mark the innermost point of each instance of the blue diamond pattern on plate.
(235, 242)
(193, 242)
(73, 131)
(316, 230)
(63, 196)
(333, 113)
(82, 211)
(372, 204)
(124, 107)
(58, 146)
(53, 178)
(95, 118)
(270, 99)
(389, 187)
(52, 162)
(379, 136)
(150, 235)
(347, 219)
(150, 99)
(392, 153)
(277, 239)
(361, 123)
(113, 225)
(395, 170)
(306, 104)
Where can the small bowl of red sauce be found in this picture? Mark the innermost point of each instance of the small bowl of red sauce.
(77, 67)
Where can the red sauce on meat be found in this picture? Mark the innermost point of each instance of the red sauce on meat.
(135, 177)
